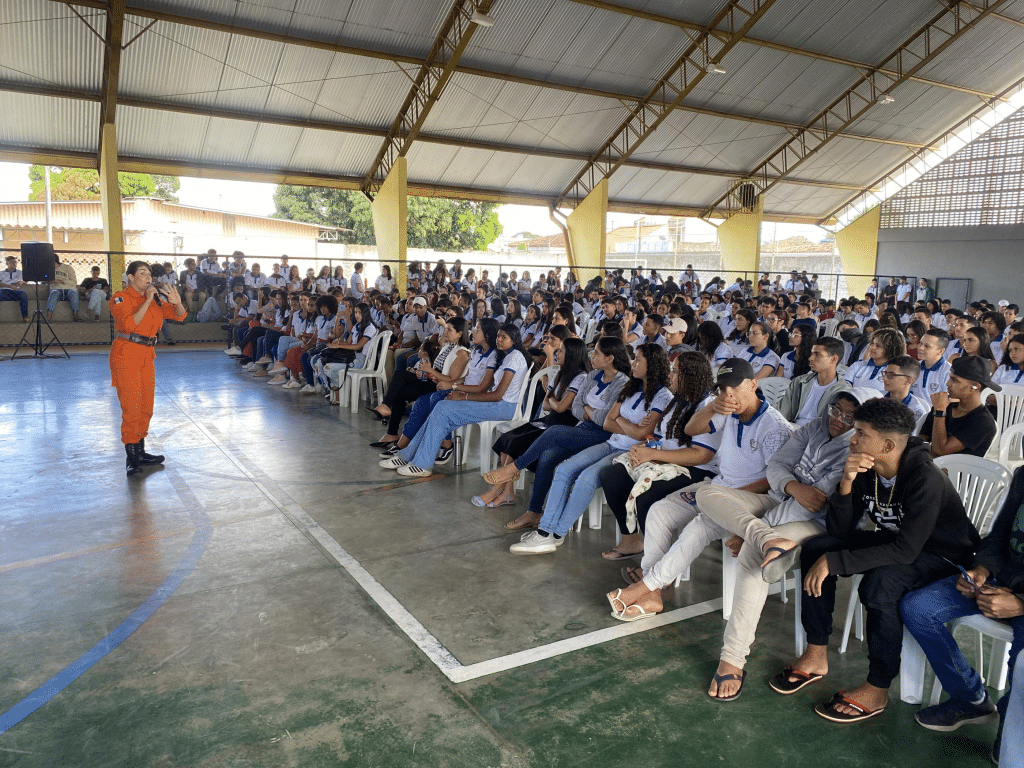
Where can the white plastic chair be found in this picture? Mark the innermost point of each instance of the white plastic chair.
(507, 426)
(774, 388)
(1009, 410)
(595, 512)
(981, 483)
(1011, 436)
(372, 371)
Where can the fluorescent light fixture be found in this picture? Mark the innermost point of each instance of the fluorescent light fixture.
(885, 98)
(481, 19)
(714, 69)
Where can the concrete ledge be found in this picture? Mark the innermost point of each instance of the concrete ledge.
(89, 332)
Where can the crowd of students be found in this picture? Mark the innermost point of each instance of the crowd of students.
(664, 411)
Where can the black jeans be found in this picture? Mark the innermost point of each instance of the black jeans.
(405, 386)
(880, 593)
(617, 484)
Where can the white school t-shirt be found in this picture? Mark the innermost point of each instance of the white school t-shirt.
(710, 440)
(916, 405)
(369, 333)
(931, 380)
(761, 360)
(596, 397)
(864, 373)
(788, 363)
(516, 364)
(478, 365)
(324, 325)
(746, 448)
(633, 409)
(1008, 374)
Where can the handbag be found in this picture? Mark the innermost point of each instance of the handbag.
(332, 355)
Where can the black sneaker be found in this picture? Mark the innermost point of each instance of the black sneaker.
(444, 455)
(951, 714)
(390, 451)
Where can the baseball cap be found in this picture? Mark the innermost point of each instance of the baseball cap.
(419, 301)
(734, 371)
(675, 325)
(1004, 303)
(975, 369)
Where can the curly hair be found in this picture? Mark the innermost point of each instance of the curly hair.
(886, 416)
(658, 372)
(694, 380)
(891, 341)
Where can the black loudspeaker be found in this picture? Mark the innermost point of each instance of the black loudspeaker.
(38, 262)
(748, 195)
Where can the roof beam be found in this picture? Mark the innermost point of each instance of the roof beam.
(693, 27)
(736, 18)
(626, 99)
(72, 159)
(941, 31)
(362, 130)
(111, 61)
(427, 87)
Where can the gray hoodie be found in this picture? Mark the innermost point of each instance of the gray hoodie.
(813, 457)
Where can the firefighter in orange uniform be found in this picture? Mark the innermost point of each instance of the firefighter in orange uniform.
(138, 315)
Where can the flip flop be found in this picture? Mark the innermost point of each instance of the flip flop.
(616, 555)
(722, 678)
(616, 599)
(774, 570)
(631, 573)
(511, 525)
(829, 712)
(782, 684)
(621, 616)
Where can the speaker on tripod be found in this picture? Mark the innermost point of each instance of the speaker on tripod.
(38, 265)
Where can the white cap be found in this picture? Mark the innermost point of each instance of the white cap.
(419, 301)
(1004, 303)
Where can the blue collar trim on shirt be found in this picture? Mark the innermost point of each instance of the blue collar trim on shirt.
(762, 353)
(934, 367)
(757, 414)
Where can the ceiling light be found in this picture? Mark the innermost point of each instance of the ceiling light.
(714, 69)
(885, 98)
(481, 19)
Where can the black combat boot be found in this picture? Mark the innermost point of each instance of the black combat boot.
(133, 460)
(147, 459)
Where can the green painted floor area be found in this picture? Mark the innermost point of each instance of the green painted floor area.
(270, 654)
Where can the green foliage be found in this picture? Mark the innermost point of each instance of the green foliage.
(84, 184)
(434, 222)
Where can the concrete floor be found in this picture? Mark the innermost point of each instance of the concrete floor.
(276, 540)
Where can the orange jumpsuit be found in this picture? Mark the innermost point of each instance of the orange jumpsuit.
(131, 364)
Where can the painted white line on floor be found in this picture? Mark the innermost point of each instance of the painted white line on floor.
(431, 647)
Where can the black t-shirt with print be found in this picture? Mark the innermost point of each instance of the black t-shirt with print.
(975, 429)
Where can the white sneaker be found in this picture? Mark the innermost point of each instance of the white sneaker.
(393, 463)
(319, 388)
(249, 367)
(279, 380)
(533, 543)
(265, 360)
(412, 471)
(279, 368)
(293, 384)
(307, 390)
(232, 350)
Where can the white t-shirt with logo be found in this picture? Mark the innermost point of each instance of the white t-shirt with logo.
(761, 360)
(515, 363)
(633, 409)
(865, 373)
(710, 440)
(931, 380)
(747, 447)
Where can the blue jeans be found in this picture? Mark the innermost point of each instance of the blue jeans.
(1011, 755)
(62, 294)
(286, 343)
(421, 410)
(548, 450)
(576, 479)
(10, 294)
(925, 613)
(448, 415)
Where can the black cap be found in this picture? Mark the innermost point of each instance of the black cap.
(976, 369)
(734, 371)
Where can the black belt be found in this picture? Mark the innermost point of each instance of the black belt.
(146, 341)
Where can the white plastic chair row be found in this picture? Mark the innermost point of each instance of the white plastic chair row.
(774, 389)
(1009, 412)
(371, 372)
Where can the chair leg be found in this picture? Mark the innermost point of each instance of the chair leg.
(997, 665)
(800, 637)
(728, 581)
(913, 665)
(852, 607)
(596, 509)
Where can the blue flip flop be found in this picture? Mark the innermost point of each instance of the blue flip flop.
(722, 678)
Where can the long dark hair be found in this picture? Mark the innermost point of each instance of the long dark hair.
(489, 326)
(459, 324)
(694, 380)
(365, 319)
(750, 317)
(517, 342)
(658, 372)
(1017, 338)
(497, 308)
(565, 310)
(615, 347)
(709, 338)
(802, 352)
(984, 347)
(574, 362)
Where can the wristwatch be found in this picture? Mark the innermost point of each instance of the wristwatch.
(939, 414)
(454, 387)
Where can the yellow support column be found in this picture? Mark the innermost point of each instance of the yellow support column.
(588, 239)
(857, 243)
(739, 237)
(110, 198)
(390, 222)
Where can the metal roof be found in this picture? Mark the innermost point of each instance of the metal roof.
(307, 90)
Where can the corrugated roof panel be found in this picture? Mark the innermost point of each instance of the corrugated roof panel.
(847, 161)
(696, 11)
(651, 186)
(395, 26)
(43, 121)
(337, 154)
(803, 200)
(538, 175)
(728, 145)
(538, 29)
(636, 47)
(363, 91)
(428, 162)
(156, 133)
(173, 62)
(320, 19)
(979, 59)
(227, 142)
(74, 55)
(272, 146)
(920, 113)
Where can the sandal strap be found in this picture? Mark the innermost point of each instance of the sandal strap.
(841, 698)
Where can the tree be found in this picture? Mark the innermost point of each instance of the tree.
(433, 222)
(84, 184)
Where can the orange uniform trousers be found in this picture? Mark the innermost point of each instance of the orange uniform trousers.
(133, 374)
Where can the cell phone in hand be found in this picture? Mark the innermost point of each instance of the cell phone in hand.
(689, 498)
(963, 573)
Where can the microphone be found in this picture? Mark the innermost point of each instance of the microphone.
(156, 298)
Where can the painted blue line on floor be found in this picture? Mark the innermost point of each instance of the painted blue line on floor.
(119, 634)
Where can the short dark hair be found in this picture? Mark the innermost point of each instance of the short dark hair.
(939, 335)
(134, 267)
(908, 366)
(887, 416)
(832, 346)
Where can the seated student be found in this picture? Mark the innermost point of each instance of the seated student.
(633, 324)
(652, 333)
(1011, 369)
(995, 589)
(808, 395)
(762, 358)
(676, 534)
(885, 344)
(300, 327)
(804, 317)
(711, 343)
(934, 368)
(460, 407)
(976, 343)
(238, 325)
(921, 531)
(630, 495)
(571, 357)
(576, 478)
(994, 324)
(960, 422)
(10, 286)
(676, 329)
(796, 362)
(356, 338)
(899, 377)
(95, 289)
(64, 287)
(737, 339)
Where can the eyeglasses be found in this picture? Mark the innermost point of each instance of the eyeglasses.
(835, 412)
(893, 375)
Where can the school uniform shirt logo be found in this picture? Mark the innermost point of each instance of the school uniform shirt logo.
(119, 300)
(753, 444)
(934, 386)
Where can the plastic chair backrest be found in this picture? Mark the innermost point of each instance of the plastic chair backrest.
(1006, 440)
(1009, 406)
(376, 358)
(774, 388)
(981, 483)
(525, 408)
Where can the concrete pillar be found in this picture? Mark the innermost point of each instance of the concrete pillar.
(110, 199)
(857, 244)
(739, 237)
(390, 222)
(588, 237)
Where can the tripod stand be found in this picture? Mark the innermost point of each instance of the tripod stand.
(38, 318)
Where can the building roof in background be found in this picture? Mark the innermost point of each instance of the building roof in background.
(306, 92)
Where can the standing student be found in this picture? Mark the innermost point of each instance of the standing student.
(137, 321)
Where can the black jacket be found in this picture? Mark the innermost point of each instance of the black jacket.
(926, 516)
(997, 551)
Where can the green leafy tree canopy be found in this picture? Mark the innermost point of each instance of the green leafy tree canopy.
(84, 184)
(434, 222)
